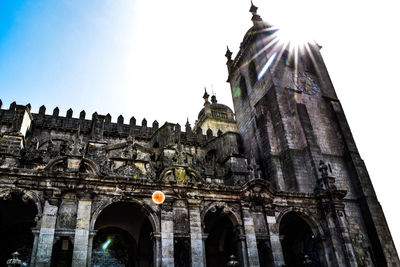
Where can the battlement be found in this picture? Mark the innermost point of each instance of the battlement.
(96, 128)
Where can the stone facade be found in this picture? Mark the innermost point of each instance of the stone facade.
(278, 183)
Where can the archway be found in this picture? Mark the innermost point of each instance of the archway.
(222, 240)
(17, 217)
(123, 237)
(299, 244)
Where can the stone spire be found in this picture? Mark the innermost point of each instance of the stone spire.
(228, 54)
(253, 10)
(205, 97)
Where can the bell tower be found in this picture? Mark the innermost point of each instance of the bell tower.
(291, 120)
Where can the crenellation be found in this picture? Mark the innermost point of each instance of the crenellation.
(56, 111)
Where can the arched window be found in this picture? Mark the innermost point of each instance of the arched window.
(252, 73)
(243, 87)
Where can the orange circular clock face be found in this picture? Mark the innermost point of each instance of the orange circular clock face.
(158, 197)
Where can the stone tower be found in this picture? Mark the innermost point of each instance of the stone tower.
(294, 127)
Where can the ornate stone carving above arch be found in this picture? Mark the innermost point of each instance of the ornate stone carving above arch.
(233, 215)
(180, 174)
(85, 165)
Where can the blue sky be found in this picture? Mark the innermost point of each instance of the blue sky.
(152, 58)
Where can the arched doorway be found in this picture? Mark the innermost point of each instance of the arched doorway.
(222, 240)
(123, 237)
(17, 218)
(299, 244)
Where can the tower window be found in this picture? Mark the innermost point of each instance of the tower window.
(252, 73)
(243, 87)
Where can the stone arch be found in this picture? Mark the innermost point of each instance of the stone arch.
(26, 195)
(223, 232)
(233, 216)
(20, 211)
(307, 216)
(54, 162)
(91, 166)
(45, 140)
(124, 227)
(148, 211)
(302, 237)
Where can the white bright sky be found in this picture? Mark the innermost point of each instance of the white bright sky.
(152, 58)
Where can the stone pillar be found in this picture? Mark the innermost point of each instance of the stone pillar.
(156, 237)
(90, 247)
(204, 237)
(243, 252)
(346, 238)
(81, 241)
(196, 238)
(35, 246)
(251, 240)
(46, 235)
(276, 246)
(167, 235)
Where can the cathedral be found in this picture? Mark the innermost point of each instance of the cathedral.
(276, 182)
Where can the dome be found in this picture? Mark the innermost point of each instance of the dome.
(217, 111)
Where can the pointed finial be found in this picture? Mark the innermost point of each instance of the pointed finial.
(253, 8)
(214, 99)
(205, 96)
(253, 11)
(228, 54)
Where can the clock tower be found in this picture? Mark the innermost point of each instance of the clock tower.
(293, 126)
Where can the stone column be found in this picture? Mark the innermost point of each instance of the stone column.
(251, 240)
(46, 235)
(204, 237)
(35, 246)
(196, 238)
(156, 237)
(242, 247)
(90, 247)
(81, 241)
(276, 246)
(167, 235)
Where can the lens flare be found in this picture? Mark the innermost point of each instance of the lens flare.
(106, 244)
(266, 66)
(158, 197)
(236, 92)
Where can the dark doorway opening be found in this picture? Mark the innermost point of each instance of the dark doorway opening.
(17, 218)
(222, 240)
(123, 237)
(299, 243)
